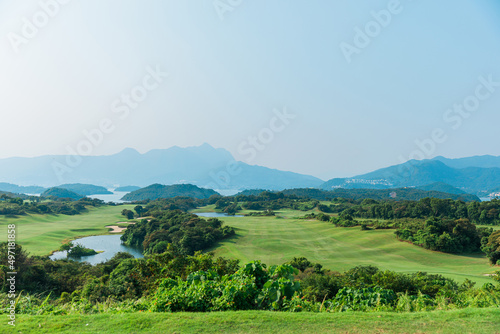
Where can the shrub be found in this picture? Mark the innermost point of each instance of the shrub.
(349, 299)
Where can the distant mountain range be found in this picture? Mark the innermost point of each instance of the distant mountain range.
(476, 175)
(482, 161)
(208, 167)
(203, 166)
(78, 188)
(13, 188)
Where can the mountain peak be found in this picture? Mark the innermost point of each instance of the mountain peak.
(128, 151)
(206, 146)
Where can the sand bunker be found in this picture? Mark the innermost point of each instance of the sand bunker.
(118, 229)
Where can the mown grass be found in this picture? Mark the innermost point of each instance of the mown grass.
(42, 234)
(271, 240)
(275, 240)
(457, 321)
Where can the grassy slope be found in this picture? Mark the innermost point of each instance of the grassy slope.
(41, 234)
(462, 321)
(274, 241)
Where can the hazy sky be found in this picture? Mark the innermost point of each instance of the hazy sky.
(360, 81)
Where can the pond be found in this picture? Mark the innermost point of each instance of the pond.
(108, 244)
(215, 215)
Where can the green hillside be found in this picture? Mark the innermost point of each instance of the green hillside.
(401, 194)
(277, 240)
(61, 193)
(85, 189)
(442, 187)
(156, 191)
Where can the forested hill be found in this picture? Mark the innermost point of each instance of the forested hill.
(398, 194)
(7, 194)
(442, 187)
(13, 188)
(85, 189)
(61, 193)
(127, 188)
(156, 191)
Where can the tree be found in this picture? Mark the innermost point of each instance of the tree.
(20, 263)
(66, 246)
(139, 209)
(128, 213)
(492, 247)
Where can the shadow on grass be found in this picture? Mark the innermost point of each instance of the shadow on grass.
(84, 230)
(232, 239)
(476, 255)
(14, 216)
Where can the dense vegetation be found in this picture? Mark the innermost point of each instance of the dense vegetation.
(178, 203)
(485, 213)
(14, 206)
(76, 251)
(85, 189)
(435, 224)
(400, 194)
(264, 201)
(187, 233)
(174, 276)
(171, 282)
(156, 191)
(397, 194)
(445, 235)
(56, 193)
(491, 247)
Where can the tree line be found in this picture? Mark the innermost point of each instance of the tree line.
(185, 232)
(484, 213)
(16, 206)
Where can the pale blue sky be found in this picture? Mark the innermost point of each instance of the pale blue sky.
(227, 76)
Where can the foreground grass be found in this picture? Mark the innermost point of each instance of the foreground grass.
(459, 321)
(41, 234)
(277, 240)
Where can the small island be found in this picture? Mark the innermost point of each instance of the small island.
(77, 250)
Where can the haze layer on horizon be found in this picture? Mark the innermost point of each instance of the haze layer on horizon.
(324, 88)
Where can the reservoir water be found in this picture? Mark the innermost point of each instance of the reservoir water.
(108, 244)
(114, 197)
